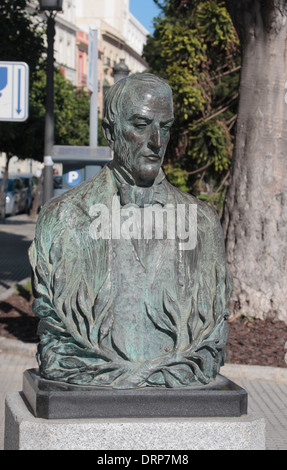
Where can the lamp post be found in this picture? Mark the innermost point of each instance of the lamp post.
(120, 70)
(52, 6)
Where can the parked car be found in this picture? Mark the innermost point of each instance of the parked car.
(30, 182)
(57, 185)
(16, 196)
(58, 182)
(3, 208)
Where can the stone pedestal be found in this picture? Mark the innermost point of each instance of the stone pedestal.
(51, 415)
(58, 400)
(23, 431)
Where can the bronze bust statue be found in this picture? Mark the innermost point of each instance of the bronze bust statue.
(129, 272)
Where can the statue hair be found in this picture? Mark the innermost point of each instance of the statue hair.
(115, 93)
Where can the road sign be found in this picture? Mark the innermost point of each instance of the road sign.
(73, 178)
(14, 91)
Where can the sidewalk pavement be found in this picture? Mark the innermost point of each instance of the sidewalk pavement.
(266, 386)
(16, 235)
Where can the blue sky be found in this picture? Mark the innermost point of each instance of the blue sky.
(144, 11)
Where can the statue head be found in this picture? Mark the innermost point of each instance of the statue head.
(137, 119)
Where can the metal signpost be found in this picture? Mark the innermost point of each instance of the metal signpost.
(14, 91)
(93, 86)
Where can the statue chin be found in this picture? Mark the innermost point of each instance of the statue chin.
(146, 180)
(146, 174)
(143, 176)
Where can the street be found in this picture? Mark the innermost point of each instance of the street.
(16, 235)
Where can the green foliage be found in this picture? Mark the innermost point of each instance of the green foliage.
(72, 114)
(21, 39)
(210, 138)
(21, 35)
(177, 176)
(71, 110)
(196, 49)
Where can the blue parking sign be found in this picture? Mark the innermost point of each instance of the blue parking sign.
(14, 91)
(73, 178)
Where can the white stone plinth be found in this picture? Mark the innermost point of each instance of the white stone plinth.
(25, 432)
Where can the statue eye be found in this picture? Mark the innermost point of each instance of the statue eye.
(164, 131)
(140, 127)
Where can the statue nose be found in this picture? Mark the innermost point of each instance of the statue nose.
(154, 141)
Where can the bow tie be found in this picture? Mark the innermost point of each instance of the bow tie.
(129, 194)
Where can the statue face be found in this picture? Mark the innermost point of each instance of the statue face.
(143, 130)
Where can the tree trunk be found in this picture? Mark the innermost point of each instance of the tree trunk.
(255, 217)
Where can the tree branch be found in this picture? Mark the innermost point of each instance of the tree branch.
(227, 73)
(222, 109)
(223, 182)
(200, 169)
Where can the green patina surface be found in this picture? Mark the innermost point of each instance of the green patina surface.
(130, 312)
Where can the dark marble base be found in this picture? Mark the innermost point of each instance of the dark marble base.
(58, 400)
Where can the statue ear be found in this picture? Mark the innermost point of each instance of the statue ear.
(108, 131)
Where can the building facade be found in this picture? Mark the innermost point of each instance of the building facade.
(120, 36)
(65, 37)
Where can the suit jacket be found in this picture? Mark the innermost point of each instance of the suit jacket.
(127, 313)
